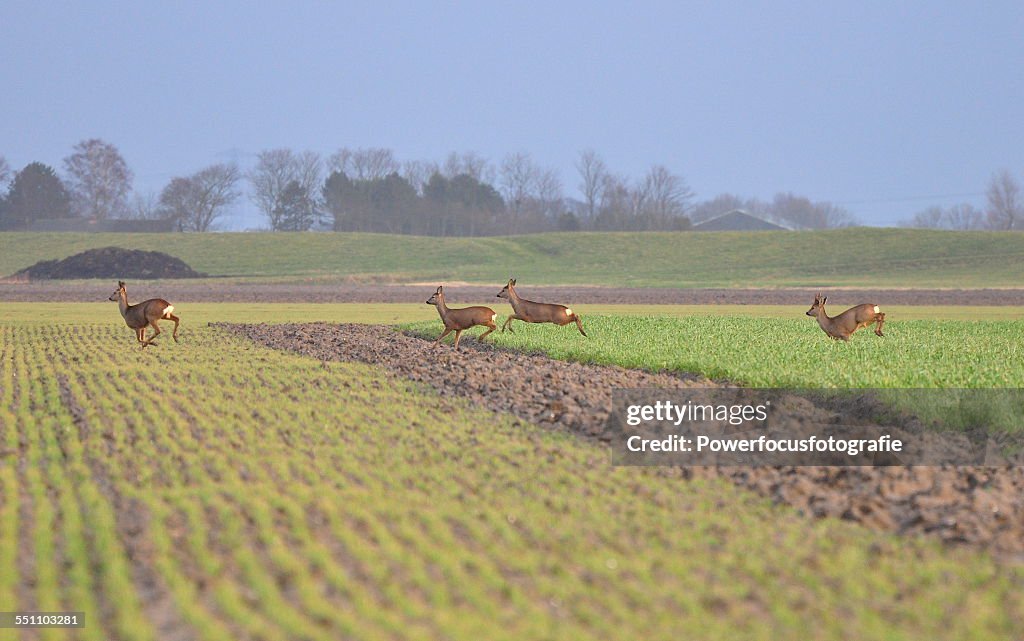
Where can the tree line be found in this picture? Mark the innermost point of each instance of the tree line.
(1004, 209)
(371, 190)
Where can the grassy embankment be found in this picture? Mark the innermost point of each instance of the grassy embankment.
(863, 257)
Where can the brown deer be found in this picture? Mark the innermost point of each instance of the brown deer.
(842, 326)
(144, 314)
(531, 312)
(459, 320)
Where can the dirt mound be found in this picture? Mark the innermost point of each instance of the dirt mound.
(110, 262)
(978, 506)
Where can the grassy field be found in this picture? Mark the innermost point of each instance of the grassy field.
(213, 489)
(777, 347)
(789, 352)
(849, 257)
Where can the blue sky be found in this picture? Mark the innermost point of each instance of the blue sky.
(883, 107)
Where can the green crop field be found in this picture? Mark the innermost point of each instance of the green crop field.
(214, 489)
(779, 347)
(847, 257)
(789, 352)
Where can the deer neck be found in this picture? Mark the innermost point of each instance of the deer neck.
(513, 299)
(122, 303)
(823, 319)
(442, 308)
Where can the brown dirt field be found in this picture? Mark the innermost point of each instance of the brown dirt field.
(210, 290)
(982, 507)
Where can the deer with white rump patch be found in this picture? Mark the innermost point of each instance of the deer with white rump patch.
(532, 312)
(840, 327)
(459, 320)
(144, 314)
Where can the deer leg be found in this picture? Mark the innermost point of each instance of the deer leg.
(458, 335)
(508, 323)
(491, 328)
(176, 320)
(881, 321)
(156, 332)
(579, 325)
(443, 334)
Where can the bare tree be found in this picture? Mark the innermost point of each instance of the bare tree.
(667, 195)
(618, 202)
(195, 202)
(517, 178)
(5, 171)
(368, 163)
(964, 217)
(549, 195)
(99, 179)
(533, 194)
(800, 212)
(276, 169)
(470, 164)
(418, 172)
(593, 174)
(308, 172)
(720, 204)
(961, 217)
(1005, 208)
(144, 206)
(340, 161)
(931, 218)
(273, 171)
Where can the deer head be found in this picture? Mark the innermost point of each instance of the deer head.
(435, 298)
(117, 292)
(819, 303)
(504, 290)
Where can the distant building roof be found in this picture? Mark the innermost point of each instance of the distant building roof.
(109, 225)
(737, 220)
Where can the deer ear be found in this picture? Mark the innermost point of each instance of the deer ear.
(120, 283)
(513, 281)
(823, 300)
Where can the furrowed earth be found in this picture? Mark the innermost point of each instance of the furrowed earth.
(977, 506)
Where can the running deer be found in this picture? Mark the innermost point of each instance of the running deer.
(144, 314)
(840, 327)
(459, 320)
(531, 312)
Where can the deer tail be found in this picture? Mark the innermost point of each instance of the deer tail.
(579, 324)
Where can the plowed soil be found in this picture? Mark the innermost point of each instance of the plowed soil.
(978, 506)
(210, 290)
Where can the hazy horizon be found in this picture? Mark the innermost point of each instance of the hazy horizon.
(882, 109)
